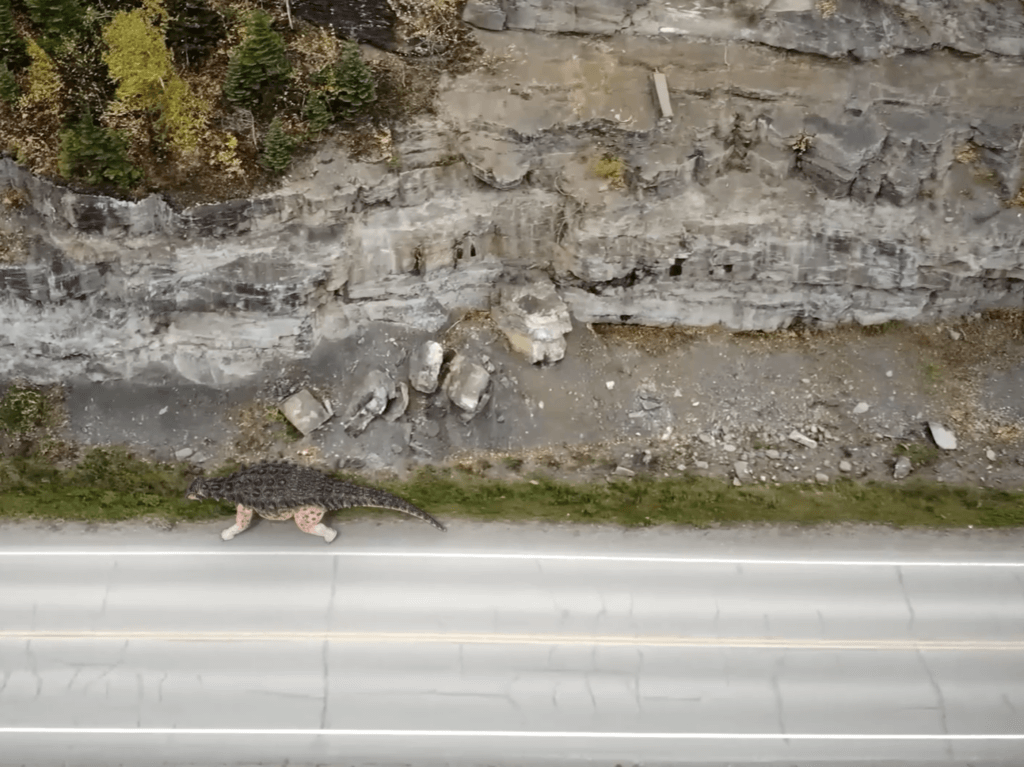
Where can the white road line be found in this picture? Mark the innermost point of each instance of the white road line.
(165, 731)
(26, 553)
(416, 637)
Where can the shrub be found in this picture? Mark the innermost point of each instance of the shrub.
(96, 155)
(258, 68)
(612, 168)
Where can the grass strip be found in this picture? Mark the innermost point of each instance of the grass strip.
(110, 485)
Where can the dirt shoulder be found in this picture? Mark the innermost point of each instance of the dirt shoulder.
(635, 426)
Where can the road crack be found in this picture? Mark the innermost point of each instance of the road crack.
(906, 598)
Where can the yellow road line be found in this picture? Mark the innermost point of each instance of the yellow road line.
(414, 637)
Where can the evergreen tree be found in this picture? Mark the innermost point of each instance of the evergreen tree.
(56, 20)
(317, 112)
(277, 148)
(13, 50)
(258, 68)
(96, 155)
(348, 84)
(194, 31)
(9, 90)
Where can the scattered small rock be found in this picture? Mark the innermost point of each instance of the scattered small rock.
(862, 407)
(701, 464)
(802, 439)
(773, 454)
(609, 385)
(200, 457)
(184, 453)
(845, 466)
(707, 439)
(903, 468)
(622, 471)
(736, 482)
(742, 469)
(680, 467)
(821, 478)
(943, 437)
(990, 454)
(955, 334)
(729, 448)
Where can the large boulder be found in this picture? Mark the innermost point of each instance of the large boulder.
(371, 399)
(468, 385)
(425, 366)
(533, 317)
(304, 412)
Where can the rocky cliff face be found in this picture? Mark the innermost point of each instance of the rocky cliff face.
(830, 162)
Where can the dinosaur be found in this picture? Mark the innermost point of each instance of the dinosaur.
(278, 490)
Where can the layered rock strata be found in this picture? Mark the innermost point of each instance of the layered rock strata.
(826, 163)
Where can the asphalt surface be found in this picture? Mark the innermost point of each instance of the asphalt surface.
(508, 645)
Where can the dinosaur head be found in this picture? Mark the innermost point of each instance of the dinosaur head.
(198, 490)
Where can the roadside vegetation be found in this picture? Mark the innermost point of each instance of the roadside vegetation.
(204, 99)
(109, 484)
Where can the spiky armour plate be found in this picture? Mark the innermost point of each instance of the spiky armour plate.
(274, 485)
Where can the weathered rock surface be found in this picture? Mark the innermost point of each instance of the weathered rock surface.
(371, 398)
(305, 412)
(944, 438)
(863, 188)
(902, 468)
(467, 385)
(425, 366)
(533, 317)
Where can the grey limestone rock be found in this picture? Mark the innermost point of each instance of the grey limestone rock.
(467, 385)
(533, 318)
(369, 401)
(425, 367)
(305, 412)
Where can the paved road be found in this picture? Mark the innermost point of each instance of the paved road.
(510, 646)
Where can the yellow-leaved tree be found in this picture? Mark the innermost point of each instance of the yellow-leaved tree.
(140, 63)
(45, 90)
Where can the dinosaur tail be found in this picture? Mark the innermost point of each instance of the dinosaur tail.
(354, 497)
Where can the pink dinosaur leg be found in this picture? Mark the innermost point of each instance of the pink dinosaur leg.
(243, 518)
(308, 519)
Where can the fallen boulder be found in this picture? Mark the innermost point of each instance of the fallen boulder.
(425, 366)
(944, 438)
(533, 317)
(304, 412)
(467, 385)
(375, 391)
